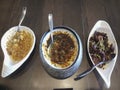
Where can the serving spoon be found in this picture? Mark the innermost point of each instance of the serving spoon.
(85, 73)
(22, 17)
(50, 21)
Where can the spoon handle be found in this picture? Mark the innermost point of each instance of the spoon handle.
(22, 16)
(84, 73)
(50, 21)
(87, 71)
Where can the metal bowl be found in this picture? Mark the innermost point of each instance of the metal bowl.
(56, 72)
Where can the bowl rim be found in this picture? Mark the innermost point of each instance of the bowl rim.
(73, 33)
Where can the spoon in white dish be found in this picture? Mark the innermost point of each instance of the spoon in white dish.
(85, 73)
(22, 17)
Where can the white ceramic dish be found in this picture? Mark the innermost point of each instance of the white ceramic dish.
(103, 26)
(9, 66)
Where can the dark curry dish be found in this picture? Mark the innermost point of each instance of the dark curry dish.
(63, 51)
(100, 48)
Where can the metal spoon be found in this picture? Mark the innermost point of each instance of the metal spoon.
(90, 70)
(22, 17)
(50, 21)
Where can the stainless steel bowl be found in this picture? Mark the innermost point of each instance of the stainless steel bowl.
(56, 72)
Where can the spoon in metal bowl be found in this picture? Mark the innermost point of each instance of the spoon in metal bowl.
(50, 21)
(22, 17)
(90, 69)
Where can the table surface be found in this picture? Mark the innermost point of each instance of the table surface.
(81, 15)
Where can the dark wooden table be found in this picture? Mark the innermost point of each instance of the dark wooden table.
(80, 15)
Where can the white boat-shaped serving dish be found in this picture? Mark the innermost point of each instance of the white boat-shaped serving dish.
(9, 66)
(103, 26)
